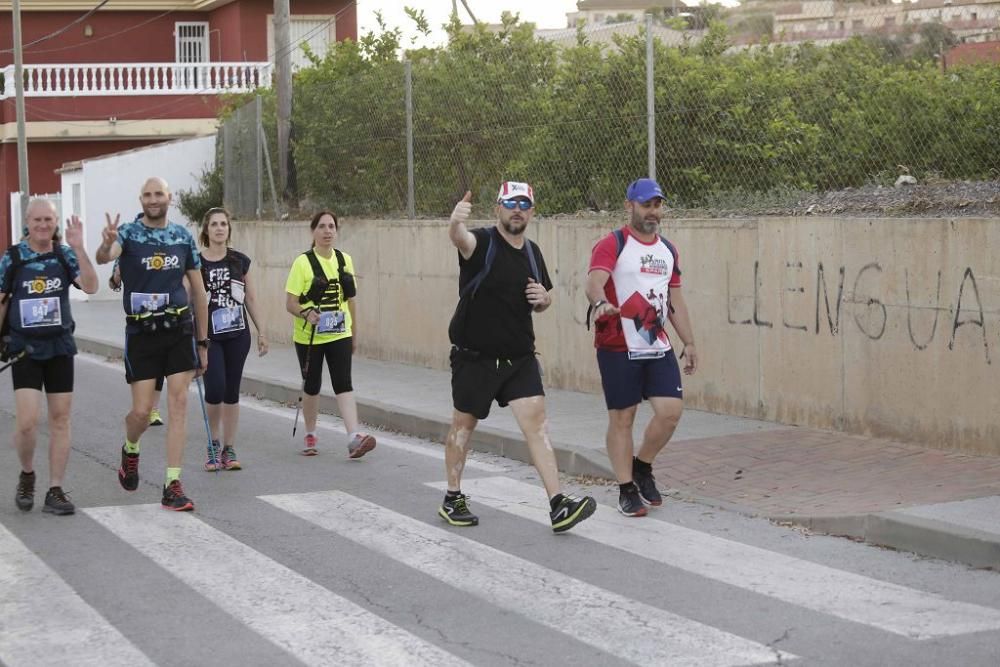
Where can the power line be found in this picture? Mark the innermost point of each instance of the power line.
(61, 30)
(205, 90)
(105, 37)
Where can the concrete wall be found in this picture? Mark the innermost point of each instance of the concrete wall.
(882, 327)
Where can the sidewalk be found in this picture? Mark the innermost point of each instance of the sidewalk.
(928, 501)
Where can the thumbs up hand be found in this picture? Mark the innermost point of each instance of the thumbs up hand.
(463, 209)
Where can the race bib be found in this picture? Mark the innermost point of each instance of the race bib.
(40, 313)
(142, 302)
(225, 320)
(331, 322)
(237, 290)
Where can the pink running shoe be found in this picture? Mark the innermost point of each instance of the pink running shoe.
(310, 446)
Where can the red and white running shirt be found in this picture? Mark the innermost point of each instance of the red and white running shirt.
(641, 278)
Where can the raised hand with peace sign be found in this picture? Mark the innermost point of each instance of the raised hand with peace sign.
(109, 237)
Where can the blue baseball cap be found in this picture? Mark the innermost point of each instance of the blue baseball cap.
(643, 189)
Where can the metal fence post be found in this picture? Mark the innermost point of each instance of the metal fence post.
(258, 125)
(650, 100)
(411, 203)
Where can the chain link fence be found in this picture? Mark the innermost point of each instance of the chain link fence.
(246, 151)
(748, 116)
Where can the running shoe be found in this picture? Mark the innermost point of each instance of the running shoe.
(360, 444)
(212, 462)
(154, 417)
(57, 502)
(229, 460)
(456, 512)
(642, 475)
(570, 511)
(25, 496)
(174, 498)
(629, 502)
(309, 446)
(128, 473)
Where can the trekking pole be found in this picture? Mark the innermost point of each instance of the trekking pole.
(17, 358)
(204, 410)
(305, 374)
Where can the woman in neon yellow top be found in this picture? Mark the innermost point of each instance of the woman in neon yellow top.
(320, 293)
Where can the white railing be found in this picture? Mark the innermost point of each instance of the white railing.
(102, 79)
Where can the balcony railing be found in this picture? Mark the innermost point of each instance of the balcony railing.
(102, 79)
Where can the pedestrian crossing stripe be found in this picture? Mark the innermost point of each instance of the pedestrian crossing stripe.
(853, 597)
(308, 621)
(44, 622)
(634, 631)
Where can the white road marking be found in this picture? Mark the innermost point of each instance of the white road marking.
(853, 597)
(631, 630)
(315, 625)
(44, 622)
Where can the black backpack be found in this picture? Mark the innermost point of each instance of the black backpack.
(348, 287)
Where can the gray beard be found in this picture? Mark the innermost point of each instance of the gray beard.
(644, 227)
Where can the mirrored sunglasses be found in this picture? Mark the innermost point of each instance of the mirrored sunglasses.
(511, 204)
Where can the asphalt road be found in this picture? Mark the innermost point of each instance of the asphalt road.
(327, 561)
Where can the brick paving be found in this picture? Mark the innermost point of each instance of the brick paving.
(809, 472)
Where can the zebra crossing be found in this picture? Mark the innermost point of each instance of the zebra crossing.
(315, 625)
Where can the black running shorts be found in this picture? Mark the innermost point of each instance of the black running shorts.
(55, 374)
(477, 381)
(149, 356)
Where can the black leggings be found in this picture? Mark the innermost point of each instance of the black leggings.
(225, 369)
(338, 360)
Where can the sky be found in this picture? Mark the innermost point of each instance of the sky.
(544, 13)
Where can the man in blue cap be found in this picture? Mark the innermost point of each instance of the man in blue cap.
(634, 287)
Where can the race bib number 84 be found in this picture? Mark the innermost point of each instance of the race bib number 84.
(40, 313)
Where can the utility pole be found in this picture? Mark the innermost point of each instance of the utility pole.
(283, 84)
(22, 137)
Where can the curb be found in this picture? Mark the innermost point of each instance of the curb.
(570, 460)
(897, 530)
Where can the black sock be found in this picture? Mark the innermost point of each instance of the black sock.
(627, 487)
(28, 474)
(642, 466)
(451, 495)
(555, 500)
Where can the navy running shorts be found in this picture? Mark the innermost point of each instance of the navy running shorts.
(628, 382)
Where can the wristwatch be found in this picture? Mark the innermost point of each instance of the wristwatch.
(203, 343)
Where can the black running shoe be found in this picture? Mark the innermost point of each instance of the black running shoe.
(642, 475)
(571, 511)
(25, 497)
(57, 502)
(456, 512)
(174, 498)
(128, 473)
(629, 502)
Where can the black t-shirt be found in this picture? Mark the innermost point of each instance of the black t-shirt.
(226, 287)
(499, 319)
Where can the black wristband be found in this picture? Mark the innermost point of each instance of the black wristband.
(203, 343)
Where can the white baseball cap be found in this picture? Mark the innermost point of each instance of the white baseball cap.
(513, 189)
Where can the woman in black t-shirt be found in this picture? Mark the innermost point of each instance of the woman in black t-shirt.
(231, 298)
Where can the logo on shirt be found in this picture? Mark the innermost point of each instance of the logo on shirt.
(161, 262)
(42, 285)
(649, 264)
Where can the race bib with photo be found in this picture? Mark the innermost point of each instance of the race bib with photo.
(148, 303)
(331, 322)
(225, 320)
(40, 313)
